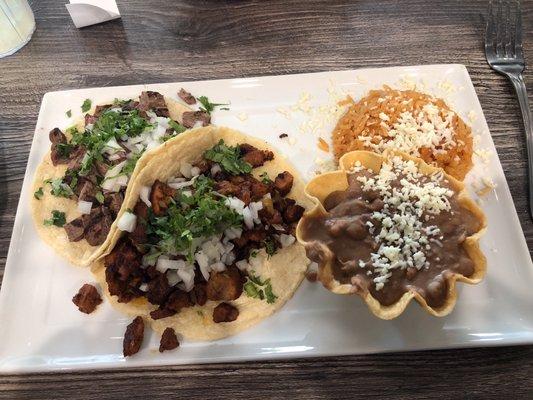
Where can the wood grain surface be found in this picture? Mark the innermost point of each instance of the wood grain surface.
(166, 41)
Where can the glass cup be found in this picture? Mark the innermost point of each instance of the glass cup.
(16, 25)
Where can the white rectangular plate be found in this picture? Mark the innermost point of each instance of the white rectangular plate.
(42, 330)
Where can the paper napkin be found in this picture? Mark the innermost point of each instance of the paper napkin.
(90, 12)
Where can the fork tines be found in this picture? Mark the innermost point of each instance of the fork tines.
(503, 38)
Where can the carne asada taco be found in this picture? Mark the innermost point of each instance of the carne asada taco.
(80, 185)
(205, 244)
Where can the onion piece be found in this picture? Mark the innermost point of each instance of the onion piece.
(144, 194)
(286, 240)
(242, 265)
(215, 169)
(187, 276)
(84, 207)
(185, 169)
(112, 146)
(127, 222)
(248, 218)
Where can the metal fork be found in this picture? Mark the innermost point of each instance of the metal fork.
(503, 49)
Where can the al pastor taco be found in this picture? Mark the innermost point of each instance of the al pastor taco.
(205, 243)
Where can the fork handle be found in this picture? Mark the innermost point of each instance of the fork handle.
(520, 87)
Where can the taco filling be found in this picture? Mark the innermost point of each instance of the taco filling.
(100, 159)
(195, 237)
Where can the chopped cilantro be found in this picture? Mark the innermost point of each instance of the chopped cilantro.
(203, 214)
(59, 188)
(208, 107)
(100, 197)
(200, 313)
(253, 253)
(229, 158)
(111, 124)
(38, 193)
(58, 219)
(86, 106)
(270, 247)
(178, 128)
(69, 113)
(270, 296)
(257, 289)
(64, 149)
(265, 179)
(131, 163)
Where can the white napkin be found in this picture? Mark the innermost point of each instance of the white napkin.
(90, 12)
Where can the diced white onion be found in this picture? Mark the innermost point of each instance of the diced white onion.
(233, 233)
(254, 209)
(228, 258)
(152, 144)
(187, 276)
(242, 265)
(84, 207)
(286, 240)
(143, 287)
(185, 169)
(127, 222)
(235, 204)
(158, 133)
(215, 169)
(278, 227)
(218, 266)
(176, 180)
(112, 146)
(115, 156)
(180, 185)
(144, 194)
(195, 171)
(162, 122)
(173, 278)
(203, 263)
(112, 172)
(186, 193)
(248, 218)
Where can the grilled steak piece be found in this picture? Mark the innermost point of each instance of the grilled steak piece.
(75, 229)
(99, 224)
(169, 340)
(186, 97)
(283, 183)
(190, 118)
(87, 299)
(225, 285)
(133, 338)
(153, 101)
(160, 196)
(225, 312)
(113, 201)
(254, 156)
(57, 138)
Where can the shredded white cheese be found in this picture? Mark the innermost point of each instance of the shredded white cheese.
(403, 239)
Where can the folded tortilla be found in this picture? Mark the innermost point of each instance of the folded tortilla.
(78, 253)
(285, 269)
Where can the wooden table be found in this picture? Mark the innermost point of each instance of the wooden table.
(166, 41)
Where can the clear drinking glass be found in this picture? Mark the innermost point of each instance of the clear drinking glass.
(16, 25)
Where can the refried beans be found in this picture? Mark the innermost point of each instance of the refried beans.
(393, 231)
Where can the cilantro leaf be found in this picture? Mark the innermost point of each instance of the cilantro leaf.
(99, 196)
(202, 214)
(270, 247)
(208, 107)
(86, 106)
(178, 128)
(229, 158)
(69, 113)
(59, 188)
(270, 296)
(259, 290)
(57, 219)
(265, 178)
(38, 193)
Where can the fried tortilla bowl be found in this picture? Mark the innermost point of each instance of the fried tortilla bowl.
(323, 185)
(79, 253)
(285, 269)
